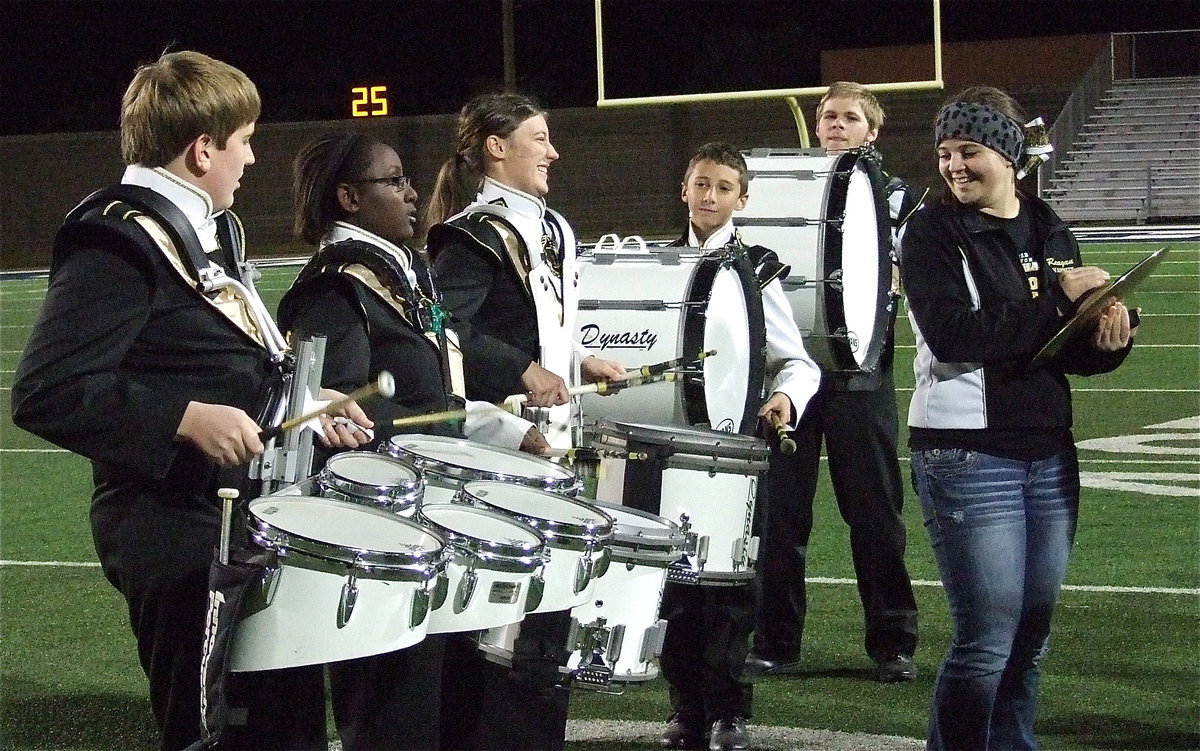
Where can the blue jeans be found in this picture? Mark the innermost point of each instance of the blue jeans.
(1002, 531)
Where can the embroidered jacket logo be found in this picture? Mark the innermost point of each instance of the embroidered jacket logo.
(591, 335)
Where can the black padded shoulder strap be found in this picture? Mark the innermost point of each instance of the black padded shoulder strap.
(171, 219)
(476, 227)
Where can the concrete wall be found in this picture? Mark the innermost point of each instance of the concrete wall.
(620, 168)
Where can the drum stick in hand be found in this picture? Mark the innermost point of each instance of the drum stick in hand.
(648, 370)
(383, 385)
(786, 444)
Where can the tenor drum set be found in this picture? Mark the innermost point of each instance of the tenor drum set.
(437, 535)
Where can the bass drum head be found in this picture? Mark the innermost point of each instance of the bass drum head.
(730, 322)
(826, 217)
(861, 249)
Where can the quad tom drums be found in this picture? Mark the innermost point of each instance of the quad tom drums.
(642, 308)
(372, 479)
(345, 581)
(826, 217)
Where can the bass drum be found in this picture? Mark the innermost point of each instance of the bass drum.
(643, 308)
(826, 217)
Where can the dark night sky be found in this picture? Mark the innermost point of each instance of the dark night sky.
(64, 63)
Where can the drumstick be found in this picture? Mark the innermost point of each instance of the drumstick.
(786, 444)
(606, 387)
(384, 385)
(228, 496)
(647, 370)
(513, 403)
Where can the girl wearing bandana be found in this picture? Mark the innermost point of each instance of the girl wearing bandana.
(991, 275)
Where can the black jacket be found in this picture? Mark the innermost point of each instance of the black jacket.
(979, 325)
(121, 345)
(366, 335)
(496, 317)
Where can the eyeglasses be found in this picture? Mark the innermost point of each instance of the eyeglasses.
(399, 182)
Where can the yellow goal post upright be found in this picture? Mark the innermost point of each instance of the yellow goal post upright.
(788, 94)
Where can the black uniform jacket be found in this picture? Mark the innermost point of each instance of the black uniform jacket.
(121, 345)
(496, 318)
(366, 335)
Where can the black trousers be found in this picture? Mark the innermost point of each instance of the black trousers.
(489, 707)
(860, 433)
(704, 651)
(391, 701)
(166, 589)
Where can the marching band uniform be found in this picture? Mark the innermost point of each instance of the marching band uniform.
(708, 627)
(856, 415)
(506, 267)
(375, 303)
(123, 343)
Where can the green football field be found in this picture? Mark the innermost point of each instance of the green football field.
(1123, 671)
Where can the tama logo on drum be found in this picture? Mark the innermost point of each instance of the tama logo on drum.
(591, 335)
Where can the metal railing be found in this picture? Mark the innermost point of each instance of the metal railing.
(1127, 55)
(1076, 111)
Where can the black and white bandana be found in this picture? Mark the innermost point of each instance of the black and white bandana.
(971, 121)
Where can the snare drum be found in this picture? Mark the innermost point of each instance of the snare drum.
(618, 634)
(705, 480)
(372, 479)
(825, 216)
(449, 462)
(348, 581)
(577, 536)
(490, 569)
(666, 303)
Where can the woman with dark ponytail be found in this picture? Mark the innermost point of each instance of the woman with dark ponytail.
(506, 263)
(506, 266)
(991, 275)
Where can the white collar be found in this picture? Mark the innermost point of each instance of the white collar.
(517, 200)
(717, 240)
(195, 204)
(345, 231)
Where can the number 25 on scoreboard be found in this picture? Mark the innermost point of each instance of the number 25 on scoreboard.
(369, 101)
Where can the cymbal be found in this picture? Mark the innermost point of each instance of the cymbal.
(1089, 309)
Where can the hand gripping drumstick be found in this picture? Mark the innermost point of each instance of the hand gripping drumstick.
(786, 444)
(384, 385)
(513, 403)
(642, 376)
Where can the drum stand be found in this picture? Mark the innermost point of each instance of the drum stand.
(288, 458)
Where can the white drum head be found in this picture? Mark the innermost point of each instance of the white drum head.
(370, 469)
(726, 330)
(518, 501)
(468, 459)
(481, 525)
(861, 256)
(344, 525)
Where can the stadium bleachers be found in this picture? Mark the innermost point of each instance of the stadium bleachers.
(1137, 158)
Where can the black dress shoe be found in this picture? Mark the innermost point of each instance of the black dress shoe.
(683, 733)
(897, 669)
(756, 666)
(729, 734)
